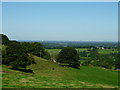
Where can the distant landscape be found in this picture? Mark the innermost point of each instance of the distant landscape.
(76, 44)
(59, 45)
(97, 66)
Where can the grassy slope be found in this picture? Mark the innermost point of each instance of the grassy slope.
(50, 75)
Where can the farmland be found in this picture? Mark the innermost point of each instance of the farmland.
(54, 52)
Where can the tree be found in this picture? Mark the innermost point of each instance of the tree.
(27, 47)
(36, 48)
(83, 54)
(16, 57)
(106, 61)
(117, 61)
(68, 55)
(4, 39)
(94, 54)
(47, 55)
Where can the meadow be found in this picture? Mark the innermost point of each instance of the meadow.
(47, 74)
(50, 75)
(54, 52)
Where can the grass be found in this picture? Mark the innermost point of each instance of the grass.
(50, 75)
(107, 51)
(81, 49)
(55, 52)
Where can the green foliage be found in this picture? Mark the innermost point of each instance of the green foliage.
(117, 61)
(98, 57)
(31, 58)
(47, 55)
(103, 60)
(83, 54)
(36, 48)
(27, 47)
(4, 39)
(106, 61)
(15, 56)
(68, 55)
(94, 53)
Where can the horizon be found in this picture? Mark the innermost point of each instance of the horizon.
(61, 21)
(60, 41)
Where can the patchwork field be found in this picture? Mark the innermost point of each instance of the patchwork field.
(55, 52)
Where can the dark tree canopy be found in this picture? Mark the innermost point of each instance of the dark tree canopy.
(15, 56)
(117, 60)
(69, 55)
(19, 55)
(36, 48)
(4, 39)
(83, 54)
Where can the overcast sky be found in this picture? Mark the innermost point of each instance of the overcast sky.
(75, 21)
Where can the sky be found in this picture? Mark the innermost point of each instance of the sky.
(74, 21)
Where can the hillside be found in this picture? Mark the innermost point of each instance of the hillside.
(50, 75)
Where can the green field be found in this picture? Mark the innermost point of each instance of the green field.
(54, 52)
(50, 75)
(106, 51)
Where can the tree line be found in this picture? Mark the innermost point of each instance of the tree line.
(108, 61)
(20, 55)
(78, 44)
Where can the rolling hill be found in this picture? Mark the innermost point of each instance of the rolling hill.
(50, 75)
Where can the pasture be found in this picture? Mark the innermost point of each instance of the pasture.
(54, 52)
(50, 75)
(107, 51)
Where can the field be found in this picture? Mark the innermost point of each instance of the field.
(54, 52)
(106, 51)
(50, 75)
